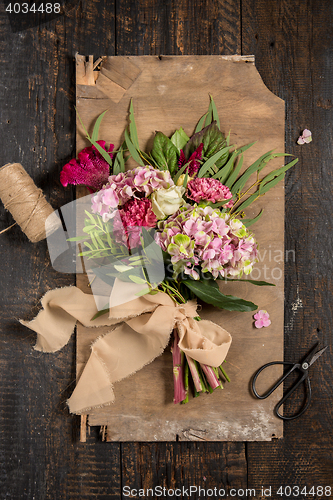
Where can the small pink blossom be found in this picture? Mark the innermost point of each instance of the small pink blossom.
(90, 169)
(202, 188)
(305, 138)
(262, 319)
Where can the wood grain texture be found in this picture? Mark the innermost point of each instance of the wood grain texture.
(187, 27)
(292, 43)
(39, 452)
(252, 114)
(40, 456)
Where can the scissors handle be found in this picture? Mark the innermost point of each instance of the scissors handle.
(304, 378)
(276, 385)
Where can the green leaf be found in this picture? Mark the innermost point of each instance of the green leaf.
(214, 111)
(179, 139)
(253, 282)
(179, 173)
(94, 242)
(249, 222)
(211, 295)
(278, 171)
(212, 138)
(210, 117)
(266, 187)
(229, 181)
(100, 313)
(228, 138)
(246, 147)
(253, 197)
(94, 135)
(137, 279)
(84, 128)
(212, 160)
(91, 217)
(88, 229)
(119, 163)
(234, 174)
(224, 172)
(201, 123)
(77, 238)
(102, 151)
(132, 149)
(220, 203)
(165, 153)
(257, 166)
(132, 127)
(99, 240)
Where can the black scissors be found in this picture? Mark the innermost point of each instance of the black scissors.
(303, 368)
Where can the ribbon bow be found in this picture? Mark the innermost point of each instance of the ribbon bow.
(143, 333)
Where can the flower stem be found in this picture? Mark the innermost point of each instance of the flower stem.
(195, 374)
(186, 372)
(178, 358)
(224, 374)
(211, 377)
(174, 290)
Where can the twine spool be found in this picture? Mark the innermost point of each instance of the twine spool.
(26, 203)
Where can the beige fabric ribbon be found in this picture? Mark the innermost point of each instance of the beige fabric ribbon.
(142, 335)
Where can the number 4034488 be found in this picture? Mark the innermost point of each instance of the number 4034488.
(295, 491)
(25, 8)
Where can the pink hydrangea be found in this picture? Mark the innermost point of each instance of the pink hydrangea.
(129, 220)
(133, 184)
(262, 319)
(203, 238)
(90, 169)
(202, 188)
(139, 181)
(104, 203)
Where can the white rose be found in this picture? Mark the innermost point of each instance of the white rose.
(167, 201)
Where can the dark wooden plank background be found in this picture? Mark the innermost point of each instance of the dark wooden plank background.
(40, 455)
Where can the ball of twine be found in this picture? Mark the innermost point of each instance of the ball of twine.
(26, 203)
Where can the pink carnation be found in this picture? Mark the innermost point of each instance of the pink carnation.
(90, 169)
(262, 319)
(133, 215)
(202, 188)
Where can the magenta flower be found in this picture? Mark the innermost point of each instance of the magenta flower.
(202, 188)
(305, 138)
(132, 216)
(193, 161)
(262, 319)
(90, 169)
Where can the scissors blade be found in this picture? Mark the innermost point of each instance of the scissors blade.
(317, 355)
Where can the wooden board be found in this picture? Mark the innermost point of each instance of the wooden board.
(168, 92)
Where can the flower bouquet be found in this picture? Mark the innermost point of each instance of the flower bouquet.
(175, 223)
